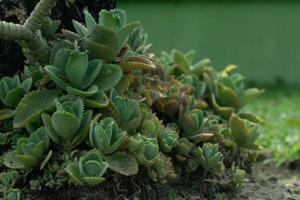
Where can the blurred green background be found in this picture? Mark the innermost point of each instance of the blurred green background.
(261, 37)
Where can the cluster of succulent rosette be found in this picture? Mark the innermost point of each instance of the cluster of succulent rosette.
(98, 102)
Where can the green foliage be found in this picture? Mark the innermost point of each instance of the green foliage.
(30, 151)
(106, 136)
(8, 179)
(151, 125)
(208, 157)
(72, 71)
(180, 63)
(89, 170)
(167, 140)
(12, 194)
(138, 41)
(100, 88)
(228, 93)
(105, 38)
(145, 149)
(69, 124)
(32, 105)
(243, 131)
(12, 90)
(192, 123)
(122, 163)
(128, 112)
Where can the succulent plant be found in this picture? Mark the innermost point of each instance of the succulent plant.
(72, 71)
(170, 103)
(192, 80)
(89, 170)
(179, 63)
(162, 114)
(162, 170)
(128, 113)
(105, 39)
(167, 140)
(69, 124)
(138, 41)
(145, 149)
(12, 90)
(208, 157)
(192, 124)
(184, 147)
(244, 132)
(12, 194)
(30, 151)
(228, 90)
(8, 179)
(106, 136)
(150, 127)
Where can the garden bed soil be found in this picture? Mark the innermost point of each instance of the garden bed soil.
(266, 182)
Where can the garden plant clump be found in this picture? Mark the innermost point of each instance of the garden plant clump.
(95, 102)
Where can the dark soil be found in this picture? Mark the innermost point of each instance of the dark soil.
(267, 182)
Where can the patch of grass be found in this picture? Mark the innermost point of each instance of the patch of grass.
(280, 107)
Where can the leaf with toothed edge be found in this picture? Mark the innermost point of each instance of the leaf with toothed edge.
(109, 77)
(32, 105)
(122, 163)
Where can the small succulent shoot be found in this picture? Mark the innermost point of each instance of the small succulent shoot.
(170, 104)
(104, 39)
(182, 63)
(183, 148)
(192, 124)
(69, 124)
(208, 157)
(198, 87)
(128, 111)
(244, 132)
(12, 194)
(106, 136)
(167, 140)
(228, 90)
(146, 150)
(72, 71)
(151, 127)
(8, 179)
(162, 170)
(237, 178)
(30, 151)
(89, 170)
(12, 90)
(138, 41)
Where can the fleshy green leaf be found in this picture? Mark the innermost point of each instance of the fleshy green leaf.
(100, 51)
(76, 68)
(6, 114)
(89, 92)
(122, 163)
(109, 77)
(32, 105)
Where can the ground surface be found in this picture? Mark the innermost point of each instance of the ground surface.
(267, 182)
(270, 183)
